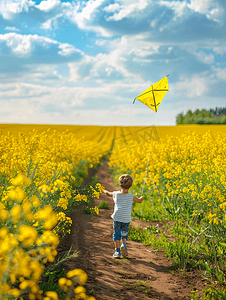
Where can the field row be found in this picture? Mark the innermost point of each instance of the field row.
(103, 136)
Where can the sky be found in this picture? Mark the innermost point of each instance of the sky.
(83, 62)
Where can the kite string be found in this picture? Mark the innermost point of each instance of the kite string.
(147, 163)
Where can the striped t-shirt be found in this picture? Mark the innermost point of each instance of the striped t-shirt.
(123, 207)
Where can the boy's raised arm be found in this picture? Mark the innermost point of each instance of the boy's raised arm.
(139, 200)
(110, 194)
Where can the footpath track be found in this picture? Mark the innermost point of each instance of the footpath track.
(145, 275)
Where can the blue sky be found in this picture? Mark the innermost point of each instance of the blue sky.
(83, 62)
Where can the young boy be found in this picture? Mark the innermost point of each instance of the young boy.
(122, 214)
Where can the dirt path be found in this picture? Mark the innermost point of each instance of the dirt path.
(143, 276)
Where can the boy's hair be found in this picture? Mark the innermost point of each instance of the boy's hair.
(125, 181)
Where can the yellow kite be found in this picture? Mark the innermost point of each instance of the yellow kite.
(152, 97)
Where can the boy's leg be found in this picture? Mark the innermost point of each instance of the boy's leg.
(123, 248)
(117, 243)
(117, 239)
(124, 233)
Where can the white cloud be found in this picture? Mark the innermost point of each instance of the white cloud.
(23, 45)
(142, 52)
(47, 25)
(67, 49)
(112, 7)
(104, 65)
(11, 7)
(216, 14)
(221, 73)
(179, 7)
(83, 16)
(201, 6)
(87, 12)
(12, 28)
(47, 5)
(52, 23)
(205, 58)
(127, 9)
(211, 8)
(40, 95)
(220, 50)
(193, 87)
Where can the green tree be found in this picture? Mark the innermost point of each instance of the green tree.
(212, 116)
(188, 118)
(180, 119)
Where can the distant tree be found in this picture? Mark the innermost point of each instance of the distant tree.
(180, 119)
(212, 116)
(188, 118)
(218, 111)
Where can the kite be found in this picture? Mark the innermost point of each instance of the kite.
(152, 97)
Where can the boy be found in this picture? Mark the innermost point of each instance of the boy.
(122, 214)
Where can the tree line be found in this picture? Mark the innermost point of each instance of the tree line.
(213, 116)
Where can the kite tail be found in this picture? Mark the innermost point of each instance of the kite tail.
(147, 162)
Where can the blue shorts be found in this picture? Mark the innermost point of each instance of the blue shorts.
(120, 230)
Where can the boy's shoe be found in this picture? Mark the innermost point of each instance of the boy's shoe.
(123, 249)
(117, 253)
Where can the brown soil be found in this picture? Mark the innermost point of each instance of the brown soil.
(145, 275)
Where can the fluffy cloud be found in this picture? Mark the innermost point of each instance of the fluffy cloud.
(125, 10)
(10, 8)
(173, 19)
(48, 5)
(212, 9)
(136, 59)
(11, 28)
(21, 52)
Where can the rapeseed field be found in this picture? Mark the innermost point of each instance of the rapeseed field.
(180, 170)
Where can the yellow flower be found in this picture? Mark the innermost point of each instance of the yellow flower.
(3, 212)
(17, 194)
(78, 273)
(25, 284)
(15, 212)
(28, 235)
(62, 281)
(69, 283)
(52, 295)
(15, 292)
(31, 296)
(21, 180)
(45, 188)
(35, 201)
(4, 232)
(79, 289)
(81, 198)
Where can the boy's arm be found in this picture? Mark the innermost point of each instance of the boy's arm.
(110, 194)
(139, 200)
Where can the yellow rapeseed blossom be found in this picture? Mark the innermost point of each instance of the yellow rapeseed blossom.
(51, 296)
(81, 198)
(21, 180)
(17, 194)
(15, 212)
(78, 273)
